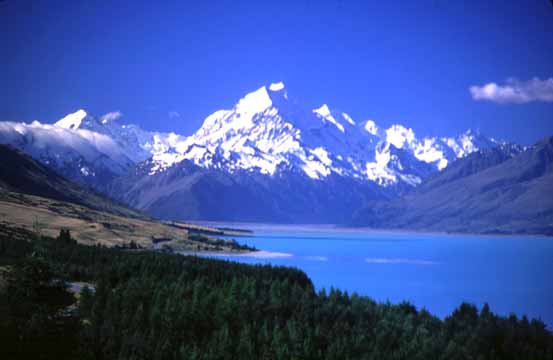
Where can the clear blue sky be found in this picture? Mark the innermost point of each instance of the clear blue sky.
(409, 62)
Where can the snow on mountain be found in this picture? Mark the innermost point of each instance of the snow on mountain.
(79, 154)
(276, 86)
(371, 128)
(469, 142)
(136, 143)
(72, 121)
(324, 112)
(44, 138)
(265, 132)
(400, 136)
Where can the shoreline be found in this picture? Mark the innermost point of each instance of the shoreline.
(259, 254)
(259, 227)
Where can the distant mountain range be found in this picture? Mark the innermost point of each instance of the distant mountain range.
(503, 190)
(266, 159)
(265, 132)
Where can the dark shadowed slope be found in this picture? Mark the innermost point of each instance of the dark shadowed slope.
(514, 196)
(188, 192)
(20, 173)
(471, 164)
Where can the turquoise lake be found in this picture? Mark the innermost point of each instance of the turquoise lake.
(511, 273)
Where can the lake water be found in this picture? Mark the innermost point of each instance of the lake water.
(511, 273)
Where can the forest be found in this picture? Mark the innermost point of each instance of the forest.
(138, 304)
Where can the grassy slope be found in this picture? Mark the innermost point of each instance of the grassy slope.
(91, 226)
(31, 192)
(21, 173)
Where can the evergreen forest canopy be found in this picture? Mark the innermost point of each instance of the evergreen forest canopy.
(147, 305)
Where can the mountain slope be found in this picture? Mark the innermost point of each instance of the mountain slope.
(32, 194)
(267, 151)
(266, 130)
(187, 191)
(136, 144)
(471, 164)
(78, 154)
(20, 173)
(510, 197)
(284, 163)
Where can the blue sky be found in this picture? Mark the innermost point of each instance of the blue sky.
(409, 62)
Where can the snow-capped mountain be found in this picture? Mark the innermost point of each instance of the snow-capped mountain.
(269, 159)
(83, 155)
(137, 144)
(268, 148)
(267, 131)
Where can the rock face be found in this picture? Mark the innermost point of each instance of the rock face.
(268, 154)
(504, 190)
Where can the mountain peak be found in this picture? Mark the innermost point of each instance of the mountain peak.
(325, 113)
(276, 86)
(72, 121)
(265, 131)
(399, 135)
(255, 102)
(371, 127)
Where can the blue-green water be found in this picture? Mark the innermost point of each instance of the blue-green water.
(511, 273)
